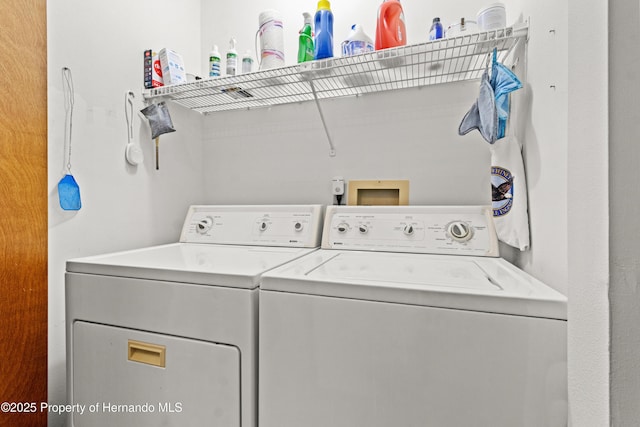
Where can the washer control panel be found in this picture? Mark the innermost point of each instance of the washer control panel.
(457, 230)
(268, 225)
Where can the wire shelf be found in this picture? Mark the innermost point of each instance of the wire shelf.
(441, 61)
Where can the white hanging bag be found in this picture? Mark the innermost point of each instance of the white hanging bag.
(509, 192)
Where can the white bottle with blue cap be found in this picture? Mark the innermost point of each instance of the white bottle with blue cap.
(357, 42)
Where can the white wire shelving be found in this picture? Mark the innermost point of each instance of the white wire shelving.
(442, 61)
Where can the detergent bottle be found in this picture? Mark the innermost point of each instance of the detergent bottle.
(357, 42)
(391, 31)
(323, 46)
(305, 48)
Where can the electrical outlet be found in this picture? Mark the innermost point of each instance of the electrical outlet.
(337, 186)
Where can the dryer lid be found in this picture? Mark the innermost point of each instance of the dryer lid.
(221, 265)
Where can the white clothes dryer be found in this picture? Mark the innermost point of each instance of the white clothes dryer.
(167, 335)
(407, 317)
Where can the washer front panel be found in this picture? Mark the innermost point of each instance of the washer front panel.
(346, 363)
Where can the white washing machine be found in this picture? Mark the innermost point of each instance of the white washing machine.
(407, 317)
(167, 335)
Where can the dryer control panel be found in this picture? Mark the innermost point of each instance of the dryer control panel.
(264, 225)
(447, 230)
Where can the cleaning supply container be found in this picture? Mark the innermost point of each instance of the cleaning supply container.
(391, 30)
(357, 42)
(247, 62)
(214, 62)
(436, 31)
(492, 17)
(270, 32)
(232, 58)
(305, 40)
(323, 44)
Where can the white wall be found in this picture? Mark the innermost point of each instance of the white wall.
(282, 154)
(587, 213)
(123, 206)
(545, 142)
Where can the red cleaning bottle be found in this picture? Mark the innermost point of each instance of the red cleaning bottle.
(391, 31)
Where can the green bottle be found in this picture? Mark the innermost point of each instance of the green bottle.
(305, 48)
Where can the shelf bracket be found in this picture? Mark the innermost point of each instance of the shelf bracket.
(332, 149)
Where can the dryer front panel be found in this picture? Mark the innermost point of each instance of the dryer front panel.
(124, 377)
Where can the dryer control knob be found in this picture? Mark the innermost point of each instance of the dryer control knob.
(263, 225)
(204, 225)
(408, 229)
(460, 231)
(342, 227)
(298, 226)
(363, 229)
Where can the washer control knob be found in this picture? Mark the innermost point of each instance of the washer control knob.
(298, 226)
(408, 229)
(263, 225)
(204, 225)
(460, 231)
(343, 227)
(363, 229)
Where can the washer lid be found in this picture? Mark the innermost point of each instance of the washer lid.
(206, 264)
(467, 283)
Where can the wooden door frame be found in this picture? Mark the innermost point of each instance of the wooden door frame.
(24, 205)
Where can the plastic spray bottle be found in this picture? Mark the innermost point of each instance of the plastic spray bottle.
(305, 46)
(214, 62)
(391, 30)
(232, 58)
(323, 46)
